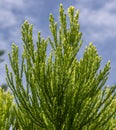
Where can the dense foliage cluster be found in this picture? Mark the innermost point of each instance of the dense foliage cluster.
(6, 110)
(59, 91)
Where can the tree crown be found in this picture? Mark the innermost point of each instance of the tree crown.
(60, 91)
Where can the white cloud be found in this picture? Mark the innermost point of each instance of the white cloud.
(12, 3)
(7, 18)
(16, 2)
(2, 73)
(110, 6)
(9, 9)
(3, 44)
(99, 23)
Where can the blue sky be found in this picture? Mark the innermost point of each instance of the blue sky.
(97, 22)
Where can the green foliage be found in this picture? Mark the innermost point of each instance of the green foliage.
(1, 53)
(8, 116)
(59, 91)
(6, 110)
(3, 86)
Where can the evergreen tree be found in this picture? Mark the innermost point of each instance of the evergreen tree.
(6, 110)
(1, 53)
(59, 91)
(6, 105)
(4, 86)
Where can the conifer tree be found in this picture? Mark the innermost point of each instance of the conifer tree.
(1, 53)
(59, 91)
(6, 110)
(4, 86)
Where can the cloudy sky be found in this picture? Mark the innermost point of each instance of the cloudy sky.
(97, 21)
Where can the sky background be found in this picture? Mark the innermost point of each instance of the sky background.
(97, 23)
